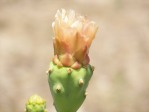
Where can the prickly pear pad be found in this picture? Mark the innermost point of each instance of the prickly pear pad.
(68, 86)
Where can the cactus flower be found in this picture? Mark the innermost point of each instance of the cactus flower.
(69, 72)
(73, 35)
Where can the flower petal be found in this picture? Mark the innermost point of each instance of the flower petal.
(73, 37)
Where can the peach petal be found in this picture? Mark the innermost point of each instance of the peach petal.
(66, 59)
(76, 65)
(86, 60)
(56, 61)
(73, 37)
(70, 37)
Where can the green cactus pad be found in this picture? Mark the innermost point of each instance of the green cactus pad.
(35, 104)
(68, 86)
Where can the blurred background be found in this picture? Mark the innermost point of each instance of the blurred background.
(120, 53)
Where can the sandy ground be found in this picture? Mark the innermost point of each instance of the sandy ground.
(120, 53)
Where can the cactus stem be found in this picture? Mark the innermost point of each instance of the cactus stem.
(81, 82)
(69, 70)
(58, 88)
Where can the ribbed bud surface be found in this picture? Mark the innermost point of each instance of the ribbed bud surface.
(35, 104)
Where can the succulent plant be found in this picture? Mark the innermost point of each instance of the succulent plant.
(69, 72)
(35, 104)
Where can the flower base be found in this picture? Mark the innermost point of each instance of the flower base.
(68, 86)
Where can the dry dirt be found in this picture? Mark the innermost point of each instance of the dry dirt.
(120, 53)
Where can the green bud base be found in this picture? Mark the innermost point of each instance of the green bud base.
(36, 104)
(68, 86)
